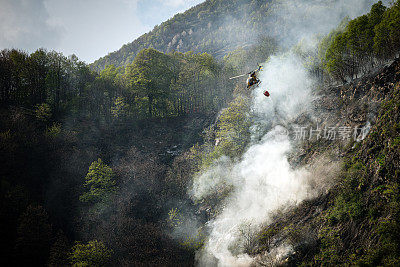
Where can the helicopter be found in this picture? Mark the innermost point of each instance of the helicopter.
(252, 80)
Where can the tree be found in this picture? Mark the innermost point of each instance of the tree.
(43, 112)
(351, 50)
(120, 109)
(233, 128)
(55, 79)
(359, 41)
(196, 86)
(99, 182)
(360, 36)
(231, 134)
(387, 33)
(376, 14)
(337, 60)
(94, 253)
(149, 78)
(37, 70)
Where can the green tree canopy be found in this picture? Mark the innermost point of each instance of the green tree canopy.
(99, 184)
(149, 77)
(387, 33)
(354, 49)
(94, 253)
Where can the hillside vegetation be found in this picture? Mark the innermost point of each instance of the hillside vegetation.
(89, 156)
(215, 26)
(356, 222)
(95, 164)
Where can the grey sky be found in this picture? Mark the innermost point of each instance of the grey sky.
(88, 28)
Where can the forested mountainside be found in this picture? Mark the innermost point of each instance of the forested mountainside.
(92, 157)
(342, 164)
(221, 26)
(215, 27)
(166, 161)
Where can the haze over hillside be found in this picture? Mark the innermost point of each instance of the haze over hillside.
(175, 159)
(220, 26)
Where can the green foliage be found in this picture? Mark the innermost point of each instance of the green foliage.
(166, 85)
(99, 183)
(353, 49)
(120, 108)
(111, 73)
(267, 236)
(354, 176)
(54, 130)
(155, 84)
(346, 208)
(331, 245)
(88, 102)
(202, 29)
(296, 235)
(94, 253)
(233, 128)
(387, 33)
(231, 134)
(174, 218)
(368, 198)
(387, 251)
(194, 243)
(149, 77)
(336, 61)
(360, 36)
(224, 142)
(43, 112)
(46, 82)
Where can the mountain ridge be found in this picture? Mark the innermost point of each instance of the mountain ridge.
(219, 27)
(199, 29)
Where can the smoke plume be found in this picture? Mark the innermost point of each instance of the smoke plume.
(263, 181)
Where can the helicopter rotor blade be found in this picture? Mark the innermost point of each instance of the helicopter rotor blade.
(237, 76)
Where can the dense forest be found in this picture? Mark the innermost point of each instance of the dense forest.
(357, 46)
(96, 159)
(69, 136)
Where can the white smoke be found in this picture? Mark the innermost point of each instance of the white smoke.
(263, 181)
(289, 84)
(215, 176)
(305, 18)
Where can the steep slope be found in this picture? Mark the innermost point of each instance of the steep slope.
(215, 26)
(220, 26)
(357, 221)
